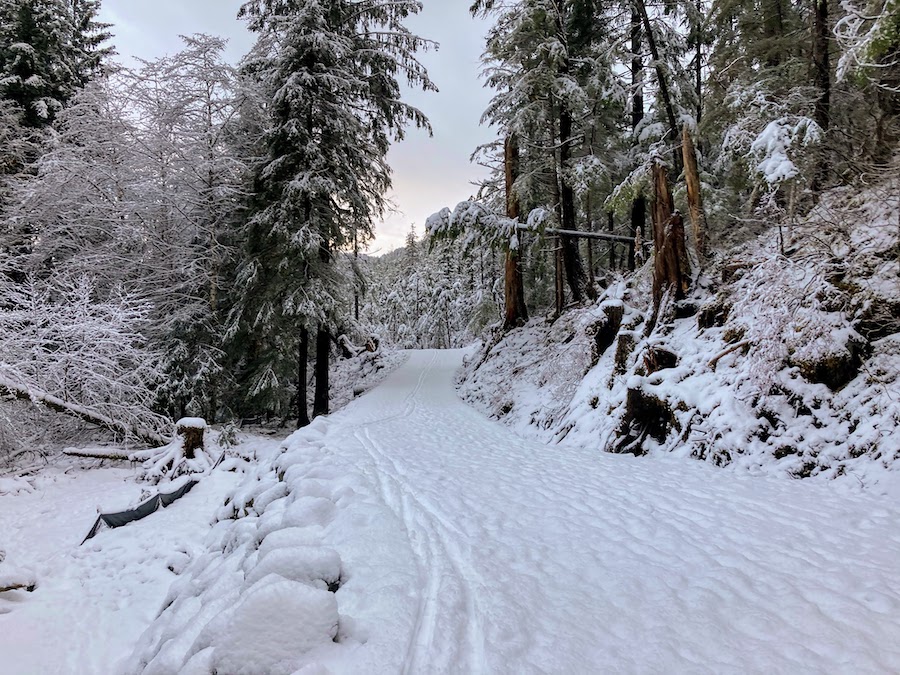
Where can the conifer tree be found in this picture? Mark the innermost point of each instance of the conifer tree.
(330, 71)
(48, 49)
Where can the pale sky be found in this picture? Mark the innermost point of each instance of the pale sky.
(429, 173)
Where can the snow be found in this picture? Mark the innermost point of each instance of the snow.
(13, 486)
(192, 423)
(461, 547)
(92, 602)
(772, 147)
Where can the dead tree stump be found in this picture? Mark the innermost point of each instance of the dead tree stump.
(190, 430)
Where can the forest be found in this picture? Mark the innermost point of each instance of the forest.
(561, 430)
(187, 237)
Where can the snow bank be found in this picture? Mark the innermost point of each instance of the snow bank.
(265, 596)
(13, 486)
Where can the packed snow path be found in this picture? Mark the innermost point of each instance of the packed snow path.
(541, 559)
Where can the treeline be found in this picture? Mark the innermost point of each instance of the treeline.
(181, 237)
(613, 114)
(184, 236)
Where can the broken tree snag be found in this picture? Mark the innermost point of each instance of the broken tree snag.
(695, 201)
(645, 415)
(604, 330)
(190, 430)
(670, 264)
(658, 358)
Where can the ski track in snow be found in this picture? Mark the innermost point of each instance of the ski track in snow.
(543, 559)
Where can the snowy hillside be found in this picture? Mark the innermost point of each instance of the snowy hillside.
(790, 367)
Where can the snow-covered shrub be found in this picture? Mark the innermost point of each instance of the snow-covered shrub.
(62, 339)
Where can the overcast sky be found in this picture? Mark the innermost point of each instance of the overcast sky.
(429, 173)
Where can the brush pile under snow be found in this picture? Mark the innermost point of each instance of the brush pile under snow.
(791, 367)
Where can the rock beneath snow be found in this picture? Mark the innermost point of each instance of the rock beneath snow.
(835, 367)
(274, 625)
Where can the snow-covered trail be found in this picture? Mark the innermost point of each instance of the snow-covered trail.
(530, 558)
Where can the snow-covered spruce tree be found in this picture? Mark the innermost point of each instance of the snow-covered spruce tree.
(48, 49)
(432, 294)
(330, 70)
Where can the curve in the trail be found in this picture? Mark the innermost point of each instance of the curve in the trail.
(542, 559)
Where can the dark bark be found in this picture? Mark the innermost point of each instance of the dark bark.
(560, 283)
(514, 286)
(589, 212)
(191, 438)
(695, 199)
(574, 270)
(302, 378)
(663, 84)
(822, 70)
(323, 352)
(670, 256)
(639, 205)
(323, 339)
(612, 244)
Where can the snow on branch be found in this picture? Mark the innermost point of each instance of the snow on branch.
(473, 224)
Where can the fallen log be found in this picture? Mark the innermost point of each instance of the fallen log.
(18, 587)
(55, 404)
(15, 579)
(99, 453)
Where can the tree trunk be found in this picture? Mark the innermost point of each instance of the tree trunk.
(191, 437)
(663, 84)
(822, 68)
(695, 200)
(611, 224)
(514, 286)
(639, 205)
(560, 284)
(670, 270)
(574, 270)
(589, 212)
(323, 351)
(302, 356)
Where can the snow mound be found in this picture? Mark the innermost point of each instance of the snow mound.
(13, 486)
(265, 596)
(276, 622)
(16, 578)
